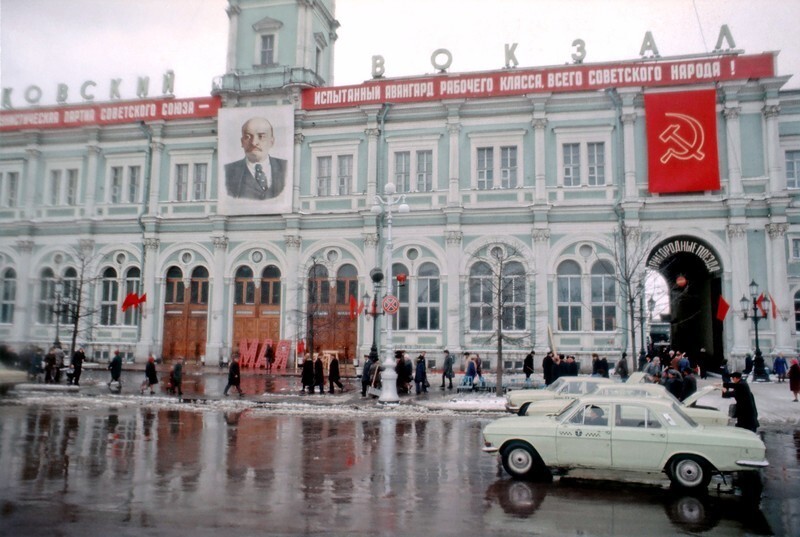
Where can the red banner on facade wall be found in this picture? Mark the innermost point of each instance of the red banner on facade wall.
(682, 141)
(580, 77)
(111, 113)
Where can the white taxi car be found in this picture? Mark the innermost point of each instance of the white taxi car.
(623, 434)
(563, 387)
(701, 414)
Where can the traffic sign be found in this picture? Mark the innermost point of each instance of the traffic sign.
(391, 304)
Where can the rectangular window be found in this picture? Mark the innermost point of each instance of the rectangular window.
(424, 171)
(597, 164)
(402, 171)
(795, 248)
(793, 169)
(8, 295)
(324, 171)
(485, 168)
(181, 182)
(267, 49)
(131, 316)
(108, 302)
(572, 165)
(344, 174)
(134, 183)
(428, 304)
(508, 167)
(55, 186)
(72, 187)
(9, 188)
(116, 185)
(569, 298)
(200, 181)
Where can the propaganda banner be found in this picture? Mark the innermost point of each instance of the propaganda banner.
(682, 141)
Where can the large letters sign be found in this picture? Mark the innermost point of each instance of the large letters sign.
(682, 141)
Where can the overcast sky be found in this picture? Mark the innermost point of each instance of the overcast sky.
(45, 42)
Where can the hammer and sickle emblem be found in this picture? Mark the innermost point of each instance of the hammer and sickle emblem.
(682, 148)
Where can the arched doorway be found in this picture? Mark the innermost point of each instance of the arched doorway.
(331, 323)
(257, 305)
(693, 273)
(185, 315)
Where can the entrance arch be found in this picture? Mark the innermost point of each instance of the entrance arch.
(693, 272)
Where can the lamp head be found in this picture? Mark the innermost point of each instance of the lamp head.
(403, 208)
(753, 289)
(744, 303)
(376, 209)
(389, 189)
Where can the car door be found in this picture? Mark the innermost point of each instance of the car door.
(584, 440)
(638, 439)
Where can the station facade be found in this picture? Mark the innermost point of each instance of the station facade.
(545, 194)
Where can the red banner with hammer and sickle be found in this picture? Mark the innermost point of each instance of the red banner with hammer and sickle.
(682, 141)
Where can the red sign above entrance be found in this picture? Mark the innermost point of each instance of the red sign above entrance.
(581, 77)
(108, 113)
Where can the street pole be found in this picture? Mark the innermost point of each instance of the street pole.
(759, 370)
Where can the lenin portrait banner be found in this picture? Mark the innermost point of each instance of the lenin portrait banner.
(255, 160)
(682, 141)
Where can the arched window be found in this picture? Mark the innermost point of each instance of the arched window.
(400, 318)
(346, 284)
(568, 296)
(604, 297)
(513, 297)
(319, 290)
(69, 294)
(47, 294)
(132, 285)
(428, 297)
(480, 297)
(199, 286)
(174, 291)
(244, 286)
(271, 285)
(8, 295)
(109, 297)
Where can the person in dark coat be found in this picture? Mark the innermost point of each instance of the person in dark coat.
(621, 368)
(572, 367)
(689, 383)
(748, 364)
(177, 378)
(234, 377)
(746, 413)
(270, 355)
(78, 358)
(547, 368)
(674, 383)
(319, 374)
(334, 377)
(447, 370)
(724, 371)
(779, 367)
(365, 378)
(50, 366)
(602, 367)
(150, 376)
(527, 365)
(115, 366)
(421, 375)
(307, 376)
(794, 378)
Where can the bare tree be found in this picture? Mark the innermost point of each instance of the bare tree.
(76, 309)
(497, 291)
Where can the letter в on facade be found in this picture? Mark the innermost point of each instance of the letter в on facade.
(378, 66)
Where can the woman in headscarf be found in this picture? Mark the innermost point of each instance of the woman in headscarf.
(794, 378)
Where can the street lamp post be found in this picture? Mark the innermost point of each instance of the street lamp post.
(642, 352)
(751, 310)
(384, 205)
(377, 277)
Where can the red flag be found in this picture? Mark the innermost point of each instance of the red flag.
(353, 307)
(132, 300)
(722, 308)
(682, 141)
(301, 347)
(774, 306)
(760, 304)
(360, 307)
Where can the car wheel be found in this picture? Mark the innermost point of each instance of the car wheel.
(689, 472)
(522, 461)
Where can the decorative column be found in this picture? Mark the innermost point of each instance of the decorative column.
(298, 146)
(737, 239)
(94, 152)
(30, 182)
(372, 161)
(540, 186)
(456, 304)
(291, 289)
(24, 305)
(629, 150)
(157, 149)
(541, 309)
(778, 287)
(777, 180)
(731, 114)
(146, 340)
(454, 130)
(233, 11)
(219, 321)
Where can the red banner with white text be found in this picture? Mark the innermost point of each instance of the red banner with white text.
(682, 141)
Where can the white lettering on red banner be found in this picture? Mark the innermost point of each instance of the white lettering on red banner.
(109, 113)
(579, 77)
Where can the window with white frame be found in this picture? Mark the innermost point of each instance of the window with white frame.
(62, 187)
(793, 169)
(334, 168)
(190, 175)
(9, 188)
(496, 160)
(412, 163)
(8, 295)
(267, 49)
(513, 292)
(582, 155)
(568, 296)
(46, 300)
(133, 285)
(266, 41)
(795, 249)
(124, 181)
(481, 297)
(69, 296)
(109, 297)
(428, 297)
(604, 297)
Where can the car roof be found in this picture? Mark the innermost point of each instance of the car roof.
(612, 399)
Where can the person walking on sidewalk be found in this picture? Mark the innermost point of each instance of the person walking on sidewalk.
(234, 377)
(527, 366)
(307, 376)
(779, 367)
(794, 378)
(365, 375)
(334, 377)
(319, 374)
(150, 376)
(447, 371)
(421, 375)
(746, 413)
(115, 367)
(78, 358)
(177, 378)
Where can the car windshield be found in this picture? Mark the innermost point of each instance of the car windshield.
(567, 410)
(556, 385)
